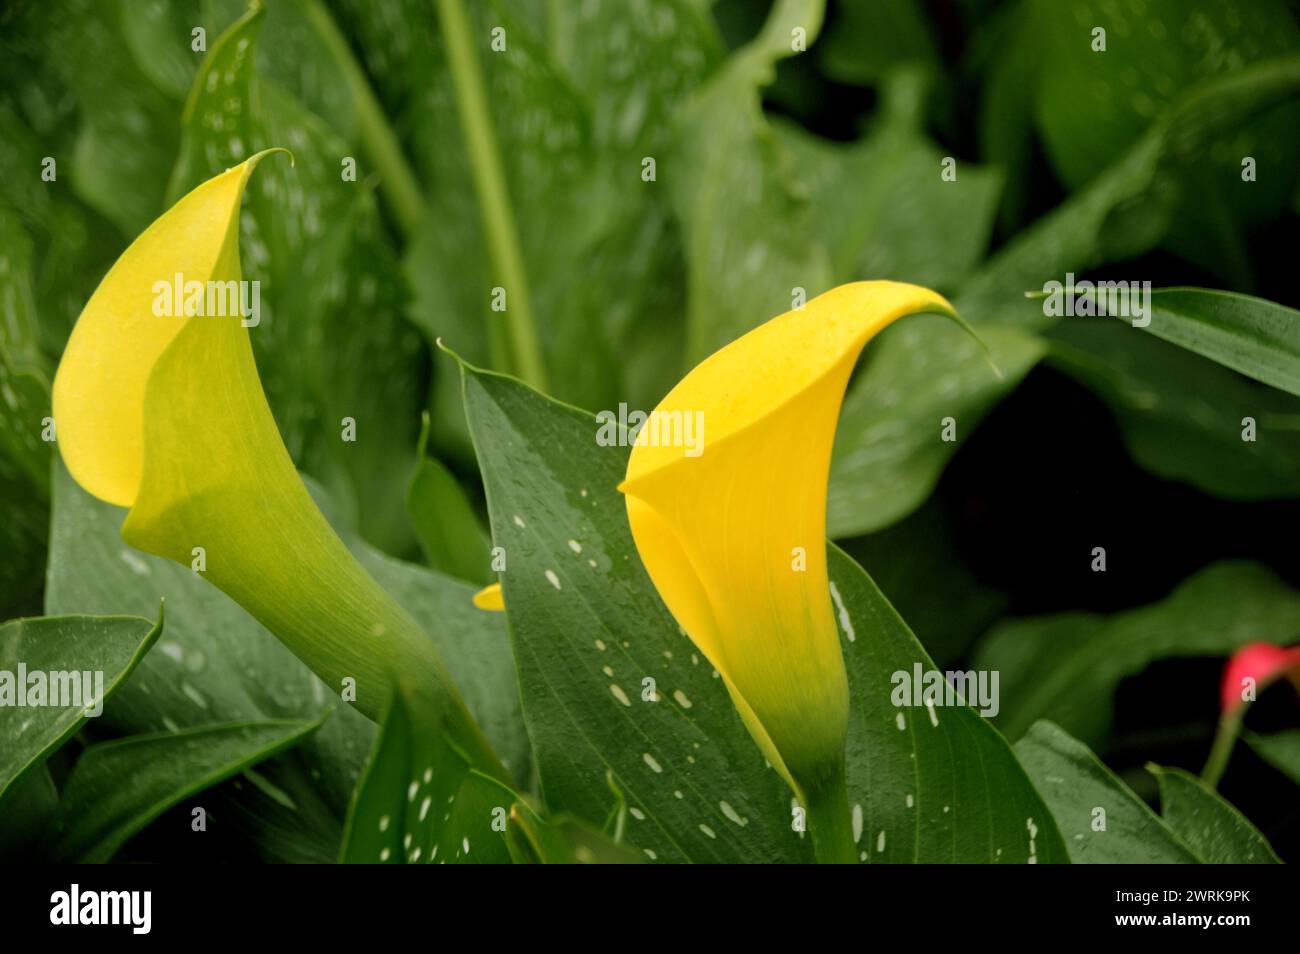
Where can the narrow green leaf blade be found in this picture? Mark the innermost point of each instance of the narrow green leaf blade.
(1256, 337)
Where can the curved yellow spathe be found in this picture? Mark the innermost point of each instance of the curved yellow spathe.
(99, 388)
(734, 538)
(491, 598)
(166, 415)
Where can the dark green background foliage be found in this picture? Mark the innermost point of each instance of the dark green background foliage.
(775, 169)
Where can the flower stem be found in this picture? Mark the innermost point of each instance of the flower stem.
(1225, 739)
(490, 186)
(830, 824)
(398, 184)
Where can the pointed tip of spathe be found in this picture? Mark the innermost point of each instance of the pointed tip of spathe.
(965, 326)
(257, 157)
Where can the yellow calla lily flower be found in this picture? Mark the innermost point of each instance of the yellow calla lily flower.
(733, 532)
(491, 598)
(159, 408)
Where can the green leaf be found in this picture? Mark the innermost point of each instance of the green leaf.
(636, 64)
(117, 788)
(24, 484)
(563, 841)
(748, 248)
(1101, 819)
(1255, 337)
(1006, 105)
(654, 55)
(25, 814)
(1279, 749)
(473, 643)
(419, 801)
(881, 206)
(1066, 667)
(217, 664)
(66, 652)
(1216, 832)
(297, 56)
(1093, 105)
(19, 323)
(119, 108)
(589, 631)
(56, 247)
(24, 422)
(158, 35)
(450, 531)
(1125, 210)
(1182, 416)
(869, 38)
(24, 408)
(927, 784)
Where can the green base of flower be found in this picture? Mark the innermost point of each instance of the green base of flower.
(830, 823)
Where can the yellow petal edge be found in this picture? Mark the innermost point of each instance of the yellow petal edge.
(734, 537)
(490, 598)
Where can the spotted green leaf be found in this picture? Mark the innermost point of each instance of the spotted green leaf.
(1101, 819)
(927, 783)
(419, 801)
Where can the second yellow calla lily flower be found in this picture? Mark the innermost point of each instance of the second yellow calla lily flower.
(734, 534)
